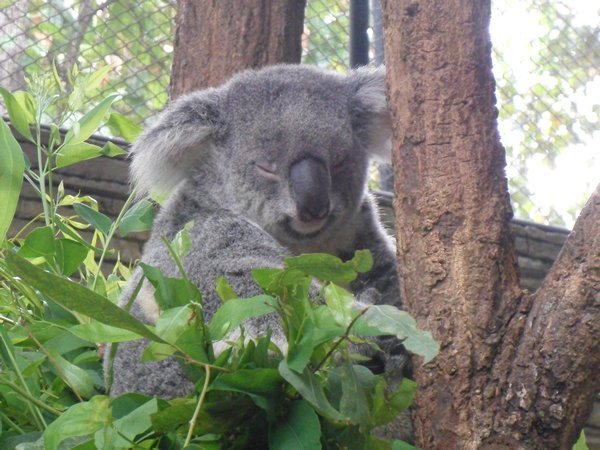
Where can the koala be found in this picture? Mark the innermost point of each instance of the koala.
(272, 163)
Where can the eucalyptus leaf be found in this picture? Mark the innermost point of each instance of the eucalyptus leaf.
(262, 385)
(340, 303)
(401, 445)
(98, 220)
(382, 320)
(224, 290)
(95, 331)
(77, 298)
(235, 311)
(90, 122)
(76, 152)
(111, 150)
(357, 384)
(138, 218)
(308, 385)
(39, 243)
(19, 117)
(171, 292)
(81, 419)
(323, 266)
(182, 243)
(11, 177)
(69, 255)
(298, 430)
(126, 428)
(122, 126)
(79, 380)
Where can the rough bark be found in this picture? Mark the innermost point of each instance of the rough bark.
(509, 374)
(215, 39)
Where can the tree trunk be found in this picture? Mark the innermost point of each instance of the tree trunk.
(514, 370)
(215, 39)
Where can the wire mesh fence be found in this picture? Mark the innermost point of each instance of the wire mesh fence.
(134, 38)
(546, 63)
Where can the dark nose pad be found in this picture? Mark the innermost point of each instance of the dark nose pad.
(309, 184)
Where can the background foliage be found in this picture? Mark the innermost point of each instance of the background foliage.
(547, 75)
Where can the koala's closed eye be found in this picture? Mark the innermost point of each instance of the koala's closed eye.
(267, 169)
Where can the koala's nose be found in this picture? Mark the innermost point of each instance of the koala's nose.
(309, 184)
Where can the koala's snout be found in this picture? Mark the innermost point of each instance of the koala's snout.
(310, 182)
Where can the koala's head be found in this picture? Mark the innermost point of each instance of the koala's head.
(287, 147)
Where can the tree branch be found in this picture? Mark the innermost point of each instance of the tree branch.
(556, 356)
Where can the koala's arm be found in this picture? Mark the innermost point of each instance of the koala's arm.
(222, 245)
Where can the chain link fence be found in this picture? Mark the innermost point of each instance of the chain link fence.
(134, 38)
(546, 63)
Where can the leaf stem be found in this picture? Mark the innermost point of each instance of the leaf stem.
(31, 398)
(194, 418)
(340, 340)
(110, 235)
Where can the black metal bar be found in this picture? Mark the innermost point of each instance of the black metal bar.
(377, 32)
(359, 39)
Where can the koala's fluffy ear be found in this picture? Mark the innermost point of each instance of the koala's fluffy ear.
(370, 115)
(179, 140)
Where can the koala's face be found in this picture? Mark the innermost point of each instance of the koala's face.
(291, 144)
(294, 164)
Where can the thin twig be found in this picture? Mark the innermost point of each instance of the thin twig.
(340, 340)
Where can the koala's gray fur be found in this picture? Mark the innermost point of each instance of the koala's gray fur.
(272, 163)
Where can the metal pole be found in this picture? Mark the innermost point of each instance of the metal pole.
(359, 39)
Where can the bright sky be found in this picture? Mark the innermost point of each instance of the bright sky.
(577, 170)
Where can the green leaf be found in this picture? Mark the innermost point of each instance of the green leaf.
(77, 298)
(235, 311)
(181, 243)
(323, 266)
(176, 414)
(11, 177)
(124, 127)
(81, 419)
(357, 383)
(300, 429)
(90, 122)
(79, 380)
(171, 292)
(401, 445)
(172, 322)
(69, 255)
(170, 326)
(95, 331)
(340, 303)
(138, 218)
(125, 429)
(382, 320)
(300, 352)
(110, 149)
(19, 117)
(27, 104)
(39, 243)
(76, 152)
(224, 290)
(93, 80)
(260, 384)
(98, 220)
(311, 390)
(581, 443)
